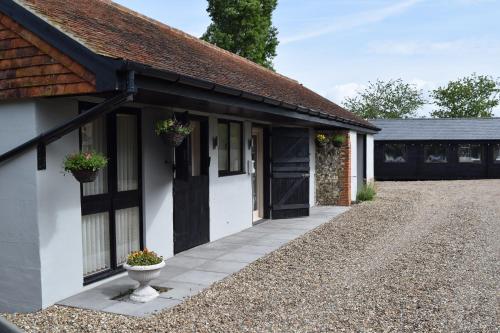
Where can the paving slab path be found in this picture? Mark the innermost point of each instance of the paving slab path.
(422, 257)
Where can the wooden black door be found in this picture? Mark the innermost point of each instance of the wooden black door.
(191, 182)
(290, 172)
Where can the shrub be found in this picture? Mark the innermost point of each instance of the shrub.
(143, 258)
(89, 161)
(172, 126)
(367, 193)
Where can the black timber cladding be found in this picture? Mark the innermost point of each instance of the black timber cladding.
(450, 134)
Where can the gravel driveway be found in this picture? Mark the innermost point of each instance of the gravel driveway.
(422, 257)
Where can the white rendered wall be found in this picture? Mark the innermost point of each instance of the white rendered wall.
(59, 209)
(157, 186)
(230, 196)
(20, 282)
(370, 158)
(312, 168)
(353, 138)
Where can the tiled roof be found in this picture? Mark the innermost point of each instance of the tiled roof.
(438, 129)
(111, 30)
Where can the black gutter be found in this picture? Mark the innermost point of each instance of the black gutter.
(172, 77)
(103, 68)
(52, 135)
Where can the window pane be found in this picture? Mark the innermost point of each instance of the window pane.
(435, 154)
(235, 145)
(127, 152)
(469, 153)
(223, 147)
(95, 241)
(127, 233)
(496, 153)
(395, 153)
(94, 139)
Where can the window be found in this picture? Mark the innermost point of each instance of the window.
(496, 153)
(395, 153)
(435, 153)
(469, 153)
(230, 148)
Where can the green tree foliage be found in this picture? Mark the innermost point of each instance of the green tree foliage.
(244, 27)
(469, 97)
(386, 100)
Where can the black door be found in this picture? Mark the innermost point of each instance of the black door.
(191, 210)
(290, 172)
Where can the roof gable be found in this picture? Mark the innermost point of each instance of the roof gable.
(29, 67)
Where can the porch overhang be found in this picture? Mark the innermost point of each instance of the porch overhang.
(165, 88)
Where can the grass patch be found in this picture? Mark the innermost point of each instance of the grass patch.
(367, 193)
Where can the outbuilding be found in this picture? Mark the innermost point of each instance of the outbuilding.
(95, 76)
(434, 149)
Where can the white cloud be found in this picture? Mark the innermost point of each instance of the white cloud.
(410, 48)
(338, 93)
(354, 21)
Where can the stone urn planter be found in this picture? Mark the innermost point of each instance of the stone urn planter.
(144, 275)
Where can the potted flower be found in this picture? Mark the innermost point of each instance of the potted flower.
(172, 131)
(85, 165)
(322, 140)
(338, 140)
(144, 266)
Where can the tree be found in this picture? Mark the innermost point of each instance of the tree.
(469, 97)
(386, 100)
(244, 27)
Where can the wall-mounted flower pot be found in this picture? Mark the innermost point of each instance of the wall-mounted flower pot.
(172, 139)
(85, 176)
(321, 144)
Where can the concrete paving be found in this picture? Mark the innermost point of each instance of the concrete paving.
(191, 271)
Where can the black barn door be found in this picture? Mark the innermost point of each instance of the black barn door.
(191, 210)
(290, 172)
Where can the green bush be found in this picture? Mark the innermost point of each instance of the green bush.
(90, 161)
(143, 258)
(367, 193)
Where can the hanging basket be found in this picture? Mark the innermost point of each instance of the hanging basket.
(172, 139)
(85, 176)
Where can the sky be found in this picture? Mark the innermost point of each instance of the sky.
(335, 47)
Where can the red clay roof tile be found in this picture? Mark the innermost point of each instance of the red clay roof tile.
(112, 30)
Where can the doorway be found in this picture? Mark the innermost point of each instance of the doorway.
(257, 170)
(191, 187)
(112, 204)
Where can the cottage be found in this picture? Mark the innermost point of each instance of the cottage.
(433, 149)
(95, 76)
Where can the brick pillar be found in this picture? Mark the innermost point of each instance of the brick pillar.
(345, 193)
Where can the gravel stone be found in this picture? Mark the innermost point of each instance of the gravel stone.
(422, 257)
